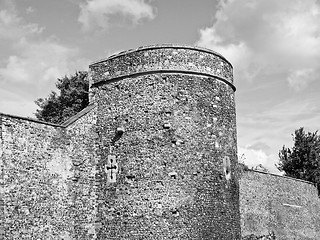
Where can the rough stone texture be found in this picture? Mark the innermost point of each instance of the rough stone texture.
(179, 127)
(152, 157)
(163, 58)
(48, 174)
(82, 149)
(34, 175)
(290, 208)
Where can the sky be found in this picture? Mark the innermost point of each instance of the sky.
(274, 47)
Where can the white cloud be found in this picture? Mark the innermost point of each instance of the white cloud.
(276, 44)
(267, 36)
(286, 113)
(34, 71)
(98, 13)
(299, 79)
(252, 158)
(18, 107)
(12, 26)
(261, 135)
(30, 10)
(37, 61)
(33, 64)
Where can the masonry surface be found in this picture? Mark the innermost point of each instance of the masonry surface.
(152, 157)
(290, 208)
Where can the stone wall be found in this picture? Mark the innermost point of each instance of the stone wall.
(163, 58)
(34, 179)
(48, 177)
(290, 208)
(152, 157)
(82, 150)
(177, 154)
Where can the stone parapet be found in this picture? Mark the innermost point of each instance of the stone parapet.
(163, 59)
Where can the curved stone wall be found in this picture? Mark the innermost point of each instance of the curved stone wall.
(163, 58)
(167, 147)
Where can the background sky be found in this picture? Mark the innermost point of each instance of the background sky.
(273, 45)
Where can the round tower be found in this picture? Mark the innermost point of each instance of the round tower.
(167, 142)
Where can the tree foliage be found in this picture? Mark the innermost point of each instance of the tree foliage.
(73, 97)
(303, 160)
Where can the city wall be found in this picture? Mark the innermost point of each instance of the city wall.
(165, 116)
(47, 178)
(44, 196)
(288, 207)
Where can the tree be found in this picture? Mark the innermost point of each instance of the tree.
(73, 98)
(303, 160)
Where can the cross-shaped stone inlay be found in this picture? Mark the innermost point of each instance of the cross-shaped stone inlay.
(111, 169)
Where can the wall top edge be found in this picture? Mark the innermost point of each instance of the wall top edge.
(281, 176)
(29, 119)
(63, 125)
(83, 112)
(161, 46)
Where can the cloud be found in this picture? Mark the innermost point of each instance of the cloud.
(35, 68)
(268, 36)
(292, 112)
(30, 10)
(37, 61)
(252, 158)
(12, 26)
(15, 103)
(99, 13)
(300, 79)
(274, 47)
(32, 65)
(261, 135)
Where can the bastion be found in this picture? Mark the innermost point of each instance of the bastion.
(153, 156)
(167, 138)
